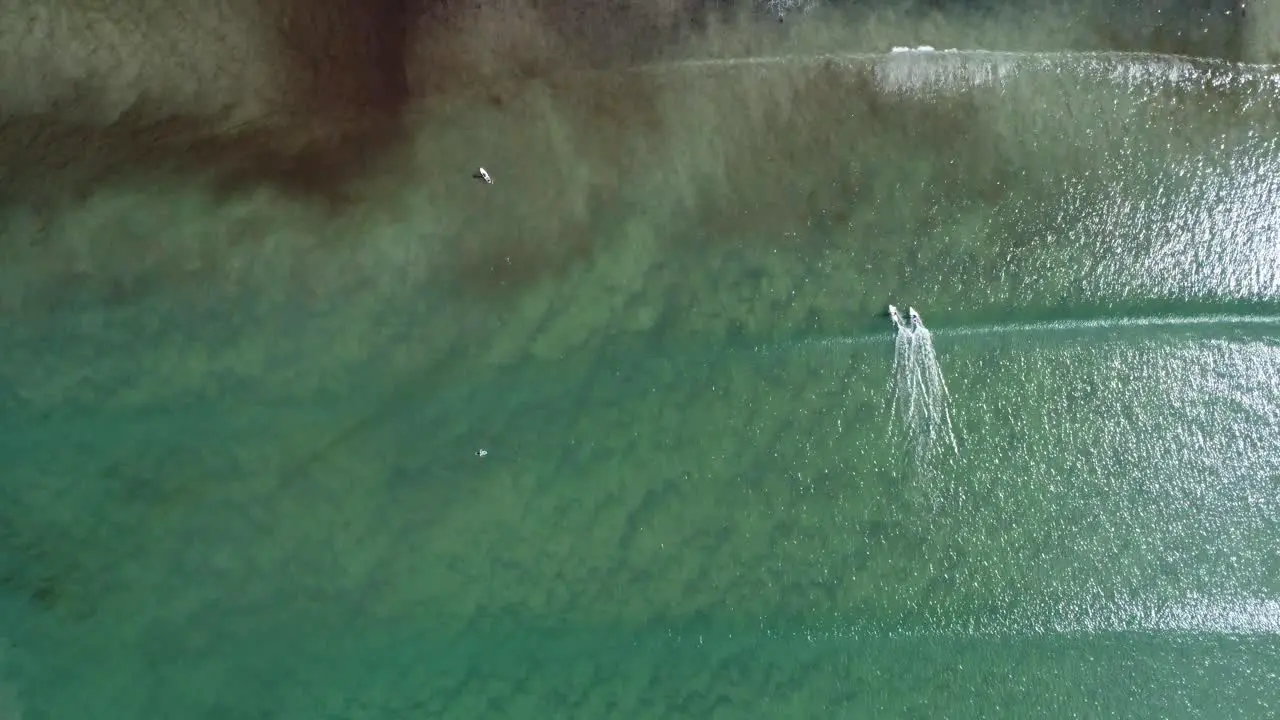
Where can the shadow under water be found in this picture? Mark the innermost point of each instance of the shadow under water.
(300, 419)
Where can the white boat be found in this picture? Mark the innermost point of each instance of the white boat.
(914, 317)
(896, 317)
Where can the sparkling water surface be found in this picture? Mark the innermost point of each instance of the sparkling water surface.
(270, 502)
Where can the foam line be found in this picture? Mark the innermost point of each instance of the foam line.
(1054, 326)
(896, 54)
(1115, 323)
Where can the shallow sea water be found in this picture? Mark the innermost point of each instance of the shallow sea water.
(269, 502)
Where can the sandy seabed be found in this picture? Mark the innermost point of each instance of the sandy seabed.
(258, 317)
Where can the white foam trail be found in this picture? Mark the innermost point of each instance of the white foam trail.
(1156, 64)
(1058, 326)
(920, 412)
(898, 392)
(1101, 325)
(935, 388)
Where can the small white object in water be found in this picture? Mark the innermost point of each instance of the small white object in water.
(481, 452)
(483, 174)
(896, 316)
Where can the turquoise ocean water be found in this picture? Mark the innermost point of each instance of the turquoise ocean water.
(263, 495)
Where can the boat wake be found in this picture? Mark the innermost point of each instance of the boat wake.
(1211, 325)
(920, 406)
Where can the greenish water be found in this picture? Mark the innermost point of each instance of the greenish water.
(264, 501)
